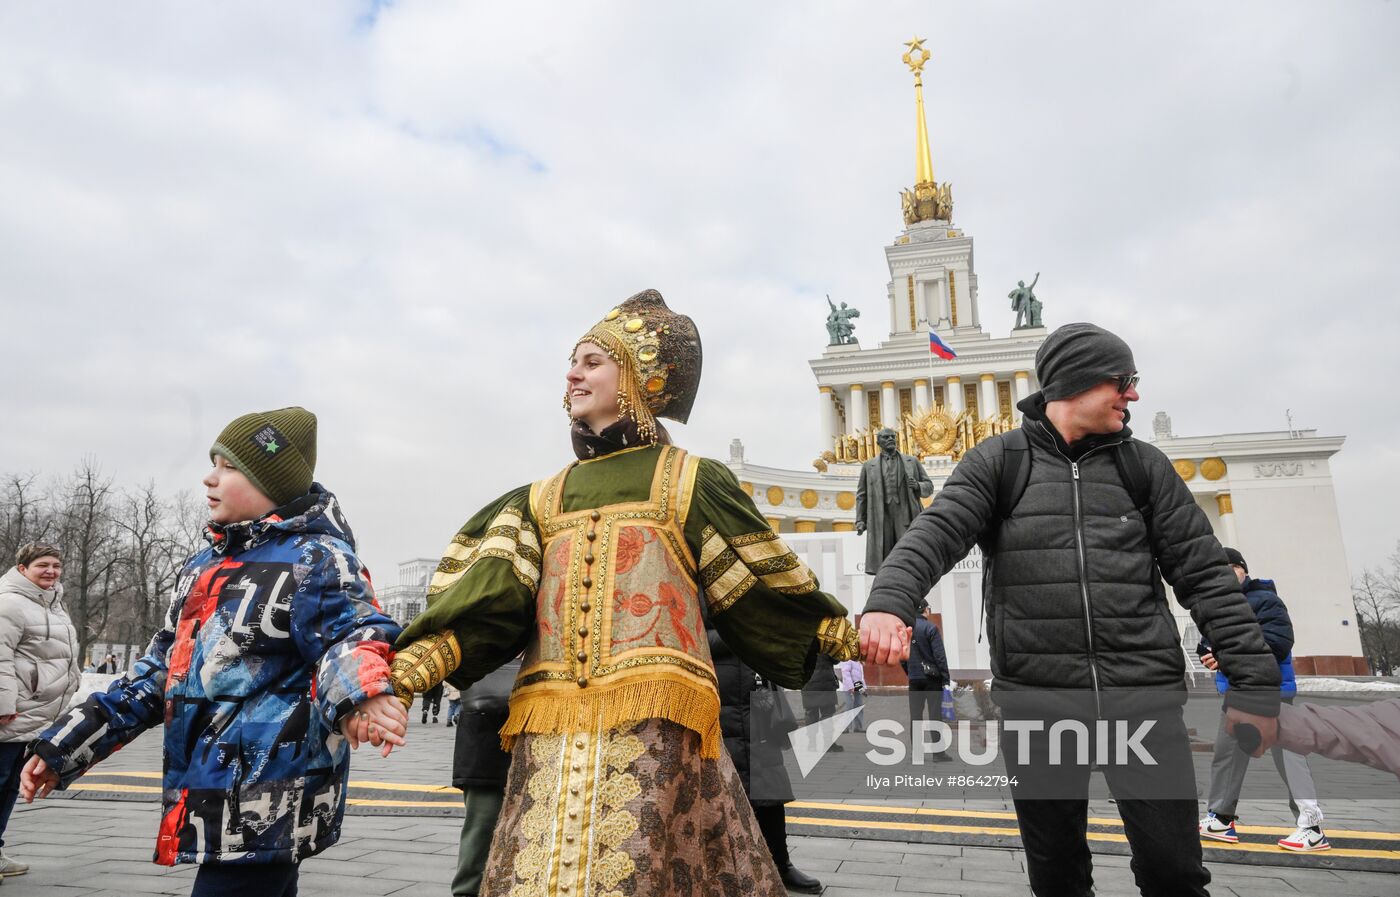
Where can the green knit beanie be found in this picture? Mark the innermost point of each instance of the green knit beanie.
(275, 450)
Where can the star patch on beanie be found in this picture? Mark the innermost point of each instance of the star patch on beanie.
(1077, 357)
(275, 450)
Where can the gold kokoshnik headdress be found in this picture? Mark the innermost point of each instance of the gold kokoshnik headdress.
(659, 354)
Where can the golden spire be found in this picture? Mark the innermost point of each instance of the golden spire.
(915, 58)
(927, 199)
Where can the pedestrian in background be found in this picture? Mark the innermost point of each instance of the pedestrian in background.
(38, 667)
(454, 703)
(1230, 764)
(819, 697)
(480, 768)
(756, 748)
(928, 674)
(432, 699)
(851, 674)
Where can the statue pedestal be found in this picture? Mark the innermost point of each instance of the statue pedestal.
(841, 348)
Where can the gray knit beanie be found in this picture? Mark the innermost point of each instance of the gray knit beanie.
(1077, 357)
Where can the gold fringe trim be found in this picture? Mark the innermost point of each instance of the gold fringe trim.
(424, 664)
(554, 711)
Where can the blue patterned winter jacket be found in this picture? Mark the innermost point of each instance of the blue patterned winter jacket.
(273, 635)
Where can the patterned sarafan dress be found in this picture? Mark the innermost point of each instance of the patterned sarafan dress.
(619, 783)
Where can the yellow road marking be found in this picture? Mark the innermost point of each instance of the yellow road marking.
(88, 785)
(362, 802)
(123, 789)
(1093, 836)
(385, 786)
(1093, 820)
(426, 789)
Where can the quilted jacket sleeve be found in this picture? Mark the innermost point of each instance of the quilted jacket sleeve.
(1194, 564)
(340, 629)
(93, 730)
(940, 536)
(1274, 622)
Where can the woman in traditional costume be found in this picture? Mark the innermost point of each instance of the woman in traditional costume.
(618, 782)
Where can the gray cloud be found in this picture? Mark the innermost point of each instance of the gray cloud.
(402, 216)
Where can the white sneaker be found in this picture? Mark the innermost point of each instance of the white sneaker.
(11, 867)
(1305, 840)
(1211, 827)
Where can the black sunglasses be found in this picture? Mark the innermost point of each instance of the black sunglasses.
(1125, 381)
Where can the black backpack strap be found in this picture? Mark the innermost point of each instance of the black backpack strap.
(1015, 473)
(1014, 476)
(1134, 476)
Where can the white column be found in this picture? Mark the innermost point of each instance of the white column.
(922, 394)
(855, 410)
(831, 425)
(1227, 519)
(953, 396)
(889, 405)
(988, 400)
(1021, 387)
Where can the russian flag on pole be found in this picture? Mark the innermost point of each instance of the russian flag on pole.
(940, 348)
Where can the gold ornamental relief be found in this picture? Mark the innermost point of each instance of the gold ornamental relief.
(808, 498)
(747, 488)
(1185, 469)
(775, 495)
(935, 431)
(1213, 468)
(845, 500)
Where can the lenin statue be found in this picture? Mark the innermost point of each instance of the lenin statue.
(887, 499)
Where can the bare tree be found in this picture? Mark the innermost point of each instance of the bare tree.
(92, 551)
(23, 517)
(1376, 595)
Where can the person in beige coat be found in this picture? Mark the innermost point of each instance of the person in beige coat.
(38, 667)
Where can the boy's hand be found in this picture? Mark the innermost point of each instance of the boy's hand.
(36, 780)
(380, 721)
(1209, 662)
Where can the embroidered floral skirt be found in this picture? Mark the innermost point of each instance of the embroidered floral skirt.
(632, 812)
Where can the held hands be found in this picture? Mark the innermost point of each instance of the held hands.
(1210, 662)
(1267, 726)
(379, 721)
(36, 780)
(884, 638)
(6, 720)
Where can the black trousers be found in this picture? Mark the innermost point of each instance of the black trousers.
(262, 879)
(432, 697)
(1161, 827)
(925, 701)
(772, 821)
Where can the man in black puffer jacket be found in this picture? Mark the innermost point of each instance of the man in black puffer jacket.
(1074, 603)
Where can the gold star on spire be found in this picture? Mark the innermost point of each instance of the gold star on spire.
(915, 58)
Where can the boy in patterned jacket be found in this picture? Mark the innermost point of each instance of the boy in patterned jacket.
(272, 663)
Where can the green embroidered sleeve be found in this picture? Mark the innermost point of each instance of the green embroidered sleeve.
(484, 588)
(766, 604)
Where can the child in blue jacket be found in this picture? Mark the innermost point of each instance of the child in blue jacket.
(272, 663)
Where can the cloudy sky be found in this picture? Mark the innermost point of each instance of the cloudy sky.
(402, 215)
